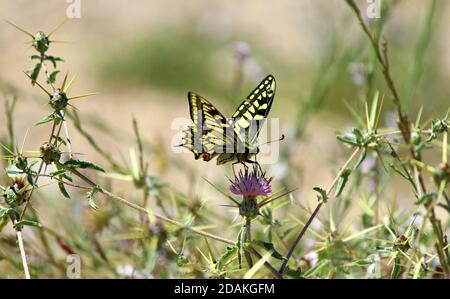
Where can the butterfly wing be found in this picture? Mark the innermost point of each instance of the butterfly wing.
(207, 136)
(210, 134)
(248, 119)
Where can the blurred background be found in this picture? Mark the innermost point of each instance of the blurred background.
(143, 58)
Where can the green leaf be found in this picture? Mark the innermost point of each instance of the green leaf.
(364, 262)
(5, 212)
(20, 224)
(34, 74)
(384, 249)
(52, 77)
(313, 270)
(45, 120)
(358, 134)
(270, 247)
(56, 116)
(53, 59)
(396, 268)
(342, 181)
(226, 257)
(38, 57)
(240, 245)
(347, 139)
(426, 197)
(83, 165)
(248, 258)
(322, 194)
(293, 273)
(58, 173)
(361, 158)
(90, 197)
(63, 190)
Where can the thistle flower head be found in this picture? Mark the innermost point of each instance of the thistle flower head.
(251, 183)
(18, 187)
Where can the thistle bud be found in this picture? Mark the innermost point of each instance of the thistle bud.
(50, 153)
(41, 42)
(59, 100)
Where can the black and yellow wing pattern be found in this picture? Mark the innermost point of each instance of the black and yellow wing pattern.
(210, 135)
(249, 116)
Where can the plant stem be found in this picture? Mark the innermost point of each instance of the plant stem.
(317, 209)
(22, 253)
(41, 165)
(145, 211)
(266, 264)
(403, 124)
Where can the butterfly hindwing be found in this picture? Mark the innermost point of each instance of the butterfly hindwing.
(207, 136)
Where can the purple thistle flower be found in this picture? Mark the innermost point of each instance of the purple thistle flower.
(251, 183)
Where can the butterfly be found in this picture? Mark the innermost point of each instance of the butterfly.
(233, 139)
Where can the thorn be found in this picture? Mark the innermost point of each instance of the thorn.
(20, 29)
(63, 86)
(62, 42)
(83, 96)
(24, 138)
(229, 206)
(40, 86)
(68, 84)
(56, 28)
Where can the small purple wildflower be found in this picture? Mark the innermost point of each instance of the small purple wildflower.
(241, 52)
(251, 183)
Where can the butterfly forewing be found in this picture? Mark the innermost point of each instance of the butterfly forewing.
(249, 116)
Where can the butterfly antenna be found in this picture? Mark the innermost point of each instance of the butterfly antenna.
(274, 140)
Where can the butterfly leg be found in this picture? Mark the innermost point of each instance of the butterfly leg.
(233, 166)
(254, 163)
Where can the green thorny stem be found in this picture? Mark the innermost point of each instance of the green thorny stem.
(316, 210)
(27, 201)
(404, 126)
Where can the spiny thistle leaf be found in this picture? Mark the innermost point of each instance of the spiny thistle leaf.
(52, 77)
(226, 257)
(63, 190)
(270, 247)
(90, 197)
(341, 182)
(323, 197)
(83, 165)
(20, 224)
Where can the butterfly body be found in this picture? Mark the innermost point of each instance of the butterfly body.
(233, 139)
